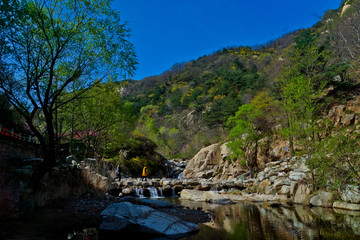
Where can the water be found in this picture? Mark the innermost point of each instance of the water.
(139, 192)
(252, 221)
(262, 221)
(153, 192)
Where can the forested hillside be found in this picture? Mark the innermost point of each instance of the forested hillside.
(188, 107)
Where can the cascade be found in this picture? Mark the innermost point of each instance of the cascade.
(160, 191)
(180, 176)
(173, 194)
(153, 192)
(139, 192)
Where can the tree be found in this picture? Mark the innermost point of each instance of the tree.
(251, 123)
(58, 46)
(100, 119)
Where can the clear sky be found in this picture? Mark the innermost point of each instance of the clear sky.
(166, 32)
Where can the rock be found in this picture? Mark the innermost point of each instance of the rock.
(302, 194)
(256, 197)
(203, 161)
(350, 193)
(322, 199)
(215, 197)
(270, 189)
(165, 182)
(285, 190)
(348, 119)
(302, 168)
(225, 151)
(297, 176)
(263, 185)
(142, 219)
(272, 164)
(261, 176)
(339, 110)
(127, 191)
(293, 187)
(347, 206)
(265, 198)
(203, 196)
(278, 183)
(144, 184)
(193, 195)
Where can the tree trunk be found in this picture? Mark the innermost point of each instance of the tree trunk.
(45, 166)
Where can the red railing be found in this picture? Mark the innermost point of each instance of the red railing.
(19, 136)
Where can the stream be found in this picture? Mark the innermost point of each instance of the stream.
(261, 221)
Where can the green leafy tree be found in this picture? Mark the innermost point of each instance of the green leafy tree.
(251, 123)
(243, 135)
(57, 46)
(100, 119)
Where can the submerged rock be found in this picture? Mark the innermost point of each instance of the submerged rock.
(140, 219)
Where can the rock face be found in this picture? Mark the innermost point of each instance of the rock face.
(139, 219)
(212, 163)
(202, 164)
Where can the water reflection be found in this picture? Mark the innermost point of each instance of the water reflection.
(260, 221)
(250, 221)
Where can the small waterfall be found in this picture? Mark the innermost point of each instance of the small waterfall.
(139, 192)
(173, 193)
(160, 191)
(180, 176)
(153, 192)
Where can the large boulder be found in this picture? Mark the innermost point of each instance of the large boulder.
(203, 162)
(138, 219)
(212, 162)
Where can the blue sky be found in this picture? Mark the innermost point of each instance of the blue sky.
(166, 32)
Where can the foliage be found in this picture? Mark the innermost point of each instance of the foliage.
(251, 123)
(243, 132)
(100, 119)
(57, 46)
(337, 160)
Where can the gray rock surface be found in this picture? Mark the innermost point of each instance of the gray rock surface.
(322, 199)
(350, 193)
(204, 196)
(129, 217)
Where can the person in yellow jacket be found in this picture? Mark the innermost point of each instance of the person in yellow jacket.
(145, 173)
